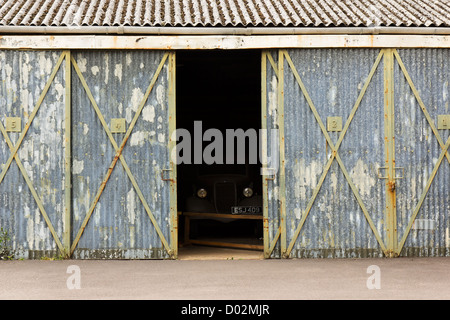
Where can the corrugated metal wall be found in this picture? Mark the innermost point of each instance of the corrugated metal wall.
(346, 217)
(417, 150)
(342, 208)
(119, 226)
(24, 75)
(121, 206)
(336, 225)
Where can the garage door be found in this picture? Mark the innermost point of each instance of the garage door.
(33, 202)
(327, 197)
(422, 79)
(124, 197)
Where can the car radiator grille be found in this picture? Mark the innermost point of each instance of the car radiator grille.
(225, 196)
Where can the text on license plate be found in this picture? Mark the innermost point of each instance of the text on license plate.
(245, 209)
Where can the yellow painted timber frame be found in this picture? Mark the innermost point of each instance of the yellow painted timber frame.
(66, 247)
(392, 247)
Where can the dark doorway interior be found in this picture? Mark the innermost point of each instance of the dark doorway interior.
(222, 89)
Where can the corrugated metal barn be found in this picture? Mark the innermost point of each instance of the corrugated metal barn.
(357, 92)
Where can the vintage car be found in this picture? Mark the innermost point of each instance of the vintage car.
(225, 189)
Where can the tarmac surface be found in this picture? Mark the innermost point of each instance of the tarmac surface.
(226, 274)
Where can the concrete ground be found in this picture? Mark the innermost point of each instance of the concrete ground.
(204, 273)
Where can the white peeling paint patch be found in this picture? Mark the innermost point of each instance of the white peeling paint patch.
(59, 90)
(26, 68)
(148, 113)
(95, 70)
(138, 138)
(332, 94)
(118, 71)
(333, 182)
(45, 65)
(161, 137)
(26, 149)
(361, 178)
(96, 214)
(82, 64)
(85, 129)
(106, 68)
(2, 58)
(136, 98)
(77, 166)
(272, 96)
(298, 213)
(447, 238)
(131, 205)
(24, 98)
(445, 91)
(412, 183)
(306, 176)
(30, 226)
(141, 65)
(8, 69)
(274, 194)
(435, 160)
(128, 58)
(161, 95)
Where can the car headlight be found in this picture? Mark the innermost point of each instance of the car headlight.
(248, 192)
(201, 193)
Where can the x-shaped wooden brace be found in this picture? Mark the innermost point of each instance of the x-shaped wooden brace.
(444, 152)
(334, 153)
(14, 148)
(118, 156)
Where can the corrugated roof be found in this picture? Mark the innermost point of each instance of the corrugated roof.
(226, 13)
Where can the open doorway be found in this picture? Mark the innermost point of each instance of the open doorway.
(219, 93)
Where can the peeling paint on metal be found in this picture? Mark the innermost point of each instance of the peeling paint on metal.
(362, 178)
(121, 229)
(77, 166)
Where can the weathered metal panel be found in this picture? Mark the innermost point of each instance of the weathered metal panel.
(417, 151)
(120, 226)
(336, 225)
(23, 77)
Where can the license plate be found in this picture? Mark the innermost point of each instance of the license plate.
(245, 210)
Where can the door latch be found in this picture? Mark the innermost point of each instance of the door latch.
(380, 176)
(162, 175)
(269, 173)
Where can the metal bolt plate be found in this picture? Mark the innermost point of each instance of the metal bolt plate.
(118, 125)
(444, 121)
(13, 124)
(334, 123)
